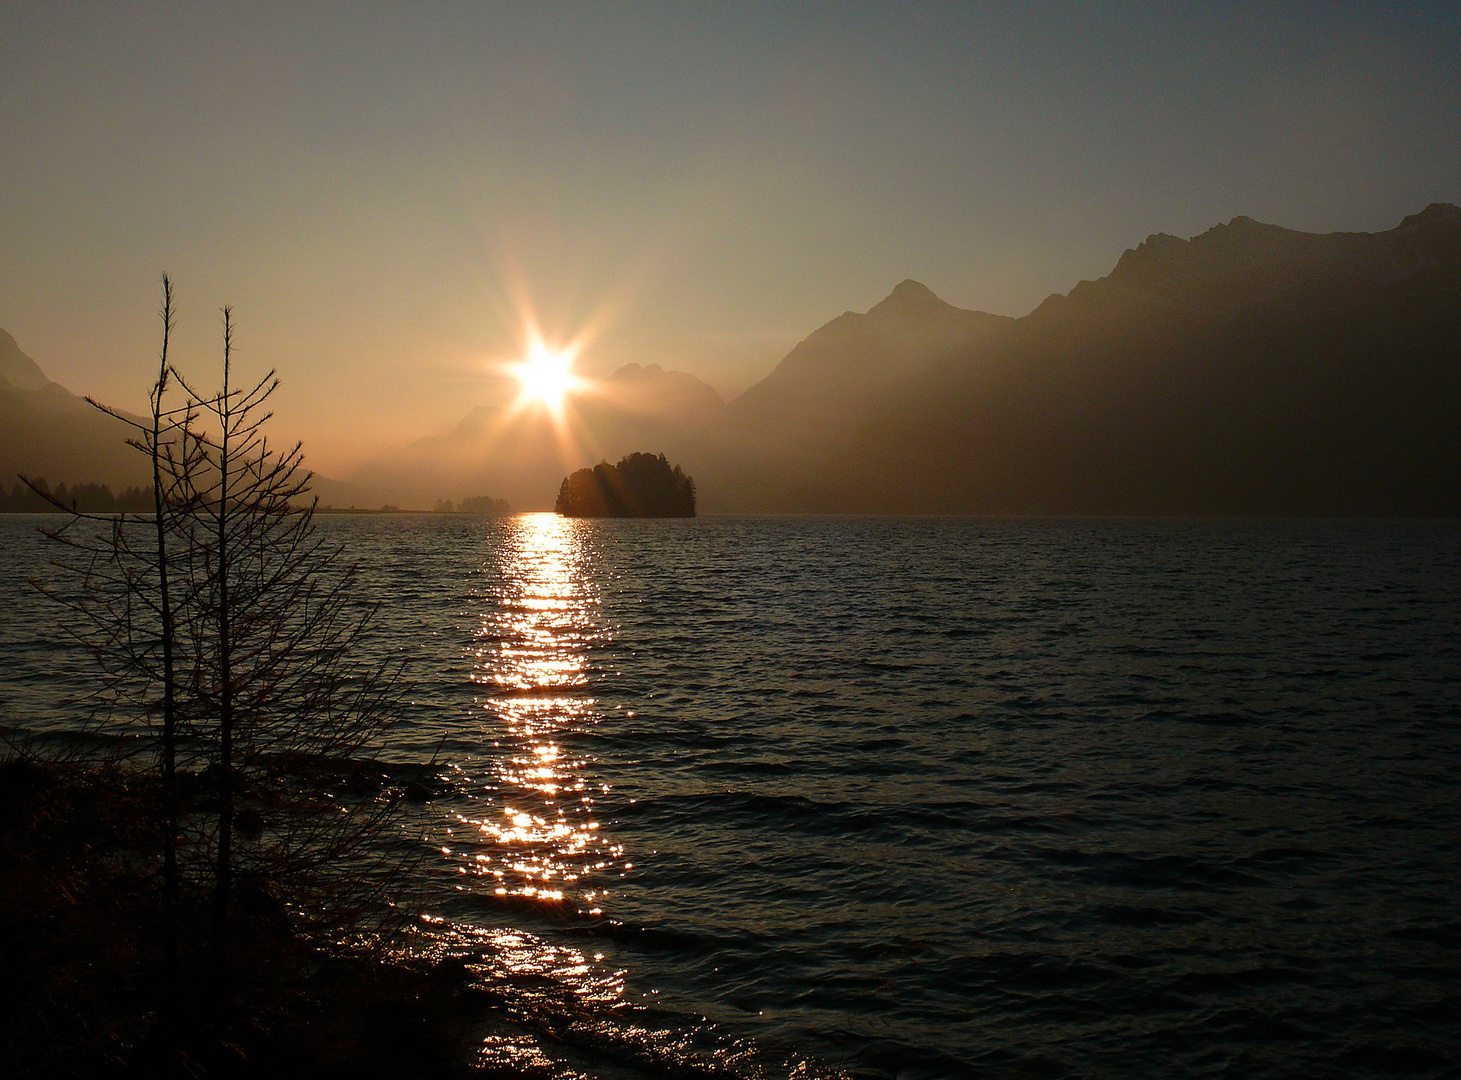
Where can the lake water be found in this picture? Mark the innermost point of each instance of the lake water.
(920, 797)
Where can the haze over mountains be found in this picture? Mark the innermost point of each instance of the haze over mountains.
(47, 431)
(1249, 370)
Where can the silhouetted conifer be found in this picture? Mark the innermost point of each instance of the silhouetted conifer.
(269, 629)
(224, 616)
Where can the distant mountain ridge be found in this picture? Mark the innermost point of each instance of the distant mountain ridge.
(1249, 370)
(50, 433)
(859, 354)
(47, 431)
(19, 370)
(1247, 261)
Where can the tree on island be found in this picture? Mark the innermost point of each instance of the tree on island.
(641, 485)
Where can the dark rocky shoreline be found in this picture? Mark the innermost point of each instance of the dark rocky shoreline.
(82, 946)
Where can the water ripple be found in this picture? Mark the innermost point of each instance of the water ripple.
(926, 798)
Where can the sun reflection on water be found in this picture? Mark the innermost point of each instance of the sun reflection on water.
(525, 841)
(540, 842)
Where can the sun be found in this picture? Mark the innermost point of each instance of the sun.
(545, 376)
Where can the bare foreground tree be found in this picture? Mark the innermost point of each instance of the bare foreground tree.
(224, 626)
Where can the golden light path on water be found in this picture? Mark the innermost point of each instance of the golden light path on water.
(536, 852)
(536, 846)
(531, 661)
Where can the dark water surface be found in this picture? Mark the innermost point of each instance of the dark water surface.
(926, 798)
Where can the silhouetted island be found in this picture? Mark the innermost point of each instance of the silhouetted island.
(641, 485)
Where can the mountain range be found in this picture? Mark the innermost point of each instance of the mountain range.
(47, 431)
(1250, 370)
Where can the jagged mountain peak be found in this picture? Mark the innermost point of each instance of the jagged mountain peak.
(856, 356)
(1247, 261)
(650, 385)
(1244, 230)
(1239, 233)
(1447, 215)
(19, 370)
(1245, 225)
(633, 372)
(909, 294)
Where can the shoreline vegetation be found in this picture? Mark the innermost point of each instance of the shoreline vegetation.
(88, 989)
(210, 891)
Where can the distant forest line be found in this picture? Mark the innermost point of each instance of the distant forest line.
(83, 497)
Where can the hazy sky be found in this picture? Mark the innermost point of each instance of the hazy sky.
(380, 191)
